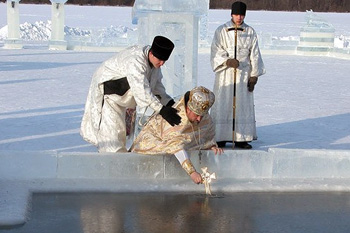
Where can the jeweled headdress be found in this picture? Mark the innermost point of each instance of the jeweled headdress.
(200, 100)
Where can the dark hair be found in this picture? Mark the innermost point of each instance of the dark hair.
(187, 98)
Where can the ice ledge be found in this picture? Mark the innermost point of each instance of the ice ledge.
(233, 164)
(24, 172)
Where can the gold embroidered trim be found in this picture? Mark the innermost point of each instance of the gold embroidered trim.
(188, 167)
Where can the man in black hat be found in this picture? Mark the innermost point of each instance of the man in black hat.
(237, 63)
(129, 79)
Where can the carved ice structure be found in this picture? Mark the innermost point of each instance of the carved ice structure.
(178, 21)
(57, 27)
(316, 36)
(13, 40)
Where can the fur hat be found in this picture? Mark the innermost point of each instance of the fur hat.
(162, 47)
(200, 100)
(238, 8)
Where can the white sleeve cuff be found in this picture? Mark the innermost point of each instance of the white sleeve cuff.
(181, 156)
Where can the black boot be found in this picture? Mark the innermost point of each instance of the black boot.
(243, 145)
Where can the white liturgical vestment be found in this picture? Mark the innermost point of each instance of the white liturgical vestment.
(103, 123)
(250, 65)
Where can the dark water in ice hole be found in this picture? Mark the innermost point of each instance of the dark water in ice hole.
(242, 212)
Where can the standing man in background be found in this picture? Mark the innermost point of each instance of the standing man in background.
(235, 55)
(132, 77)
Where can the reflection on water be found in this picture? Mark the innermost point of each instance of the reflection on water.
(156, 213)
(169, 212)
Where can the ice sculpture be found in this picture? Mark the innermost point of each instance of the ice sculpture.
(316, 36)
(179, 21)
(57, 29)
(13, 40)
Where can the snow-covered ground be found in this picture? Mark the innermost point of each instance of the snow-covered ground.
(302, 101)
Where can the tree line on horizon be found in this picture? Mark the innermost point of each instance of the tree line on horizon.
(268, 5)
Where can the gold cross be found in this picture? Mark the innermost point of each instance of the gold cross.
(206, 178)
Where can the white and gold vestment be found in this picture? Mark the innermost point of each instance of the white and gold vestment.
(159, 137)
